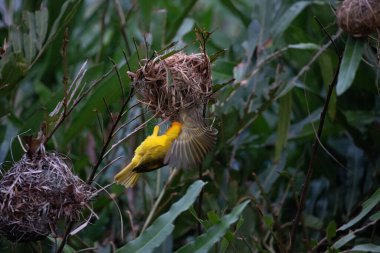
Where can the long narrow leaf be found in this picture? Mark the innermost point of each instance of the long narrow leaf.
(161, 228)
(283, 124)
(344, 240)
(287, 18)
(368, 247)
(204, 242)
(350, 63)
(367, 206)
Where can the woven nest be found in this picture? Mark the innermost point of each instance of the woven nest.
(177, 82)
(38, 191)
(359, 17)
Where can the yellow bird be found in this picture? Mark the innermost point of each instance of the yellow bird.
(149, 155)
(184, 145)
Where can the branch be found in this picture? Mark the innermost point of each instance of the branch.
(76, 102)
(109, 138)
(315, 145)
(100, 159)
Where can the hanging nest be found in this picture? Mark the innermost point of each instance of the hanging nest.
(173, 83)
(359, 17)
(36, 192)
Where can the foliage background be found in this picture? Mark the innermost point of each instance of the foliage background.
(267, 119)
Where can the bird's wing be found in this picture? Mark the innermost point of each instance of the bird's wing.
(191, 146)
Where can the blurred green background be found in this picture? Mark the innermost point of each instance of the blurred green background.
(270, 86)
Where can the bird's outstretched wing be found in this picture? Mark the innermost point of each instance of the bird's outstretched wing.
(193, 143)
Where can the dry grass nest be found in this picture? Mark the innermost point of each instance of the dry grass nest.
(359, 17)
(176, 82)
(38, 191)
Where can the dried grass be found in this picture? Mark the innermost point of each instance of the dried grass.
(177, 82)
(38, 191)
(359, 17)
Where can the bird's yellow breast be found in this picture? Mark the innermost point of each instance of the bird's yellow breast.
(155, 146)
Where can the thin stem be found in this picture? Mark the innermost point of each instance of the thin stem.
(314, 147)
(76, 102)
(109, 138)
(158, 201)
(200, 200)
(100, 159)
(65, 69)
(123, 19)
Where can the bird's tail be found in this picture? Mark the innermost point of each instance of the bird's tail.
(127, 176)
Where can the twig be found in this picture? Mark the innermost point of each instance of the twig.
(129, 135)
(118, 77)
(100, 124)
(200, 200)
(107, 166)
(315, 146)
(146, 47)
(108, 110)
(100, 159)
(316, 56)
(65, 69)
(136, 48)
(109, 138)
(76, 102)
(122, 19)
(128, 122)
(102, 32)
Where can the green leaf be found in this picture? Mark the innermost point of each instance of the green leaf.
(41, 18)
(283, 124)
(163, 226)
(351, 58)
(68, 10)
(204, 223)
(172, 30)
(368, 247)
(312, 222)
(268, 220)
(218, 86)
(213, 217)
(217, 55)
(16, 38)
(331, 230)
(185, 28)
(204, 242)
(287, 18)
(30, 49)
(157, 28)
(375, 216)
(342, 241)
(305, 46)
(367, 206)
(235, 11)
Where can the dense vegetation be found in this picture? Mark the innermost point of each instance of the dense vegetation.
(295, 137)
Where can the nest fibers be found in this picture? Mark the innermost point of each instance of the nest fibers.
(36, 192)
(176, 82)
(359, 17)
